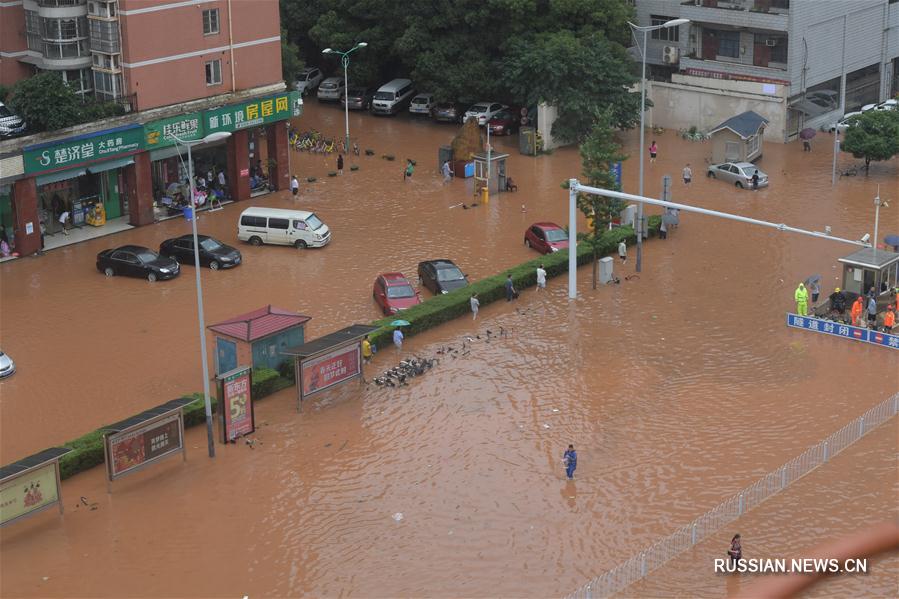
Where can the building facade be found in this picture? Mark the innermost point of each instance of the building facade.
(144, 53)
(798, 63)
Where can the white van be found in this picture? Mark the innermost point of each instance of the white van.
(298, 228)
(392, 97)
(331, 89)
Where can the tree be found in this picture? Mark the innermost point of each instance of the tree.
(291, 63)
(32, 97)
(579, 74)
(873, 135)
(599, 151)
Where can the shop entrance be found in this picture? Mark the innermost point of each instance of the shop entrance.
(171, 188)
(91, 196)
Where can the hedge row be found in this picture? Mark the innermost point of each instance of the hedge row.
(442, 308)
(87, 451)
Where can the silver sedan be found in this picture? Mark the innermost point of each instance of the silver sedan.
(738, 173)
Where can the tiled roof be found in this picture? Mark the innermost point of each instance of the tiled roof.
(745, 125)
(259, 323)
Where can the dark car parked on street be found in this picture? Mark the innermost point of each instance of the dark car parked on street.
(441, 276)
(448, 112)
(358, 98)
(136, 261)
(213, 253)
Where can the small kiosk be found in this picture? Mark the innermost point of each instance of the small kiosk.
(497, 162)
(258, 338)
(329, 360)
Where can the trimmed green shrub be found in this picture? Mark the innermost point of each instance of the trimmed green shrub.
(87, 452)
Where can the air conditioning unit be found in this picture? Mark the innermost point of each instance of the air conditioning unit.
(771, 41)
(670, 55)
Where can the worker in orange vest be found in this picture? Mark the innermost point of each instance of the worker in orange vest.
(856, 311)
(889, 320)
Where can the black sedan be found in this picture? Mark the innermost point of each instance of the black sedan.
(136, 261)
(213, 253)
(441, 276)
(448, 112)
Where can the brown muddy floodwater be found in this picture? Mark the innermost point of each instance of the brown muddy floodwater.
(678, 387)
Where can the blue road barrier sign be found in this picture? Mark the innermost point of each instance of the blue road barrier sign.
(838, 329)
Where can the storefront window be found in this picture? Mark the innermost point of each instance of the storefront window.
(171, 188)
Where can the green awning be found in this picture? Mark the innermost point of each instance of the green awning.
(110, 165)
(60, 176)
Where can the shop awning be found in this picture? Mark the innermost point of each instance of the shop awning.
(174, 150)
(60, 176)
(110, 165)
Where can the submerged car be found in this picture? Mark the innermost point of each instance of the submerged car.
(136, 261)
(213, 253)
(738, 173)
(7, 366)
(422, 104)
(546, 237)
(358, 98)
(484, 111)
(393, 292)
(504, 122)
(441, 276)
(308, 80)
(842, 124)
(448, 112)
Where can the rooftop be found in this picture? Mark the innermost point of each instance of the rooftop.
(259, 323)
(745, 125)
(354, 332)
(871, 258)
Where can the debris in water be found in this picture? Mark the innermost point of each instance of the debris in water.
(555, 410)
(398, 516)
(545, 426)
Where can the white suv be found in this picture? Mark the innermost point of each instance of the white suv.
(308, 80)
(331, 89)
(422, 104)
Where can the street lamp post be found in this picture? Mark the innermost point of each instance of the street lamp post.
(212, 137)
(345, 61)
(645, 30)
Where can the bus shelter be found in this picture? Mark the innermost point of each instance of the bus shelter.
(327, 361)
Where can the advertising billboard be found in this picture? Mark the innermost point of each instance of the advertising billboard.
(320, 372)
(144, 444)
(237, 404)
(29, 492)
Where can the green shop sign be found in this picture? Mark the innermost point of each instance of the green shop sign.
(84, 149)
(187, 127)
(253, 113)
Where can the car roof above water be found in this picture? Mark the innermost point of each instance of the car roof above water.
(276, 212)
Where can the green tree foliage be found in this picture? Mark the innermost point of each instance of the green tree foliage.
(516, 51)
(599, 151)
(32, 99)
(4, 93)
(874, 135)
(291, 63)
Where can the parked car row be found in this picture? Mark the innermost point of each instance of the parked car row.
(842, 124)
(11, 124)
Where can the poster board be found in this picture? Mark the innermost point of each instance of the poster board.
(144, 443)
(31, 486)
(317, 373)
(235, 389)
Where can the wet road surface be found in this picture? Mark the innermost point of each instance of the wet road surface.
(678, 388)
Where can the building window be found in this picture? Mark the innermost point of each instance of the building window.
(211, 21)
(665, 34)
(729, 44)
(214, 72)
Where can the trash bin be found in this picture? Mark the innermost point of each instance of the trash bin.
(527, 141)
(606, 268)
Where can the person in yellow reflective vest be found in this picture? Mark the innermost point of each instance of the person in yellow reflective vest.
(801, 297)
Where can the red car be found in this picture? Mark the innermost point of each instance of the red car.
(393, 292)
(546, 237)
(505, 122)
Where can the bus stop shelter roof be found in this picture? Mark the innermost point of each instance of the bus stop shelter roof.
(259, 323)
(330, 341)
(42, 457)
(872, 258)
(148, 414)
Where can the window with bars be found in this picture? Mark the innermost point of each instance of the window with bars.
(214, 72)
(211, 21)
(665, 34)
(729, 43)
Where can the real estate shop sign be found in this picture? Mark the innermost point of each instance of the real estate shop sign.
(253, 113)
(84, 149)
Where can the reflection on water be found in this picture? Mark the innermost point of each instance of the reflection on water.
(678, 387)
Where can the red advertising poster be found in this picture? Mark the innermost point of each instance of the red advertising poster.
(237, 405)
(335, 367)
(146, 444)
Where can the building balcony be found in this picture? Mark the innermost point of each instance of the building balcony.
(773, 15)
(718, 69)
(105, 46)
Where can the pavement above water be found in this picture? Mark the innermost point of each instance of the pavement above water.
(678, 387)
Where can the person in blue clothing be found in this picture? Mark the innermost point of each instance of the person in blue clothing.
(570, 461)
(510, 289)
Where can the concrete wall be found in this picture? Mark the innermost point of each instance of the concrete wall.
(12, 44)
(706, 103)
(546, 116)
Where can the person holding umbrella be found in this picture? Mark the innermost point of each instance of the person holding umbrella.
(806, 136)
(398, 334)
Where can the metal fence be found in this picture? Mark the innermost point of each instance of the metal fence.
(659, 553)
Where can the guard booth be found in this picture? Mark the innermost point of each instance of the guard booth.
(258, 338)
(871, 267)
(497, 171)
(327, 361)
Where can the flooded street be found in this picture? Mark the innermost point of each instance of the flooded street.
(678, 387)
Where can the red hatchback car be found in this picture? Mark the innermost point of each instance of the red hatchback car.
(393, 292)
(546, 237)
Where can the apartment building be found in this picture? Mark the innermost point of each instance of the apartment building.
(147, 53)
(798, 63)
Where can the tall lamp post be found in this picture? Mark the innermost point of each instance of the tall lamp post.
(345, 60)
(212, 137)
(645, 30)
